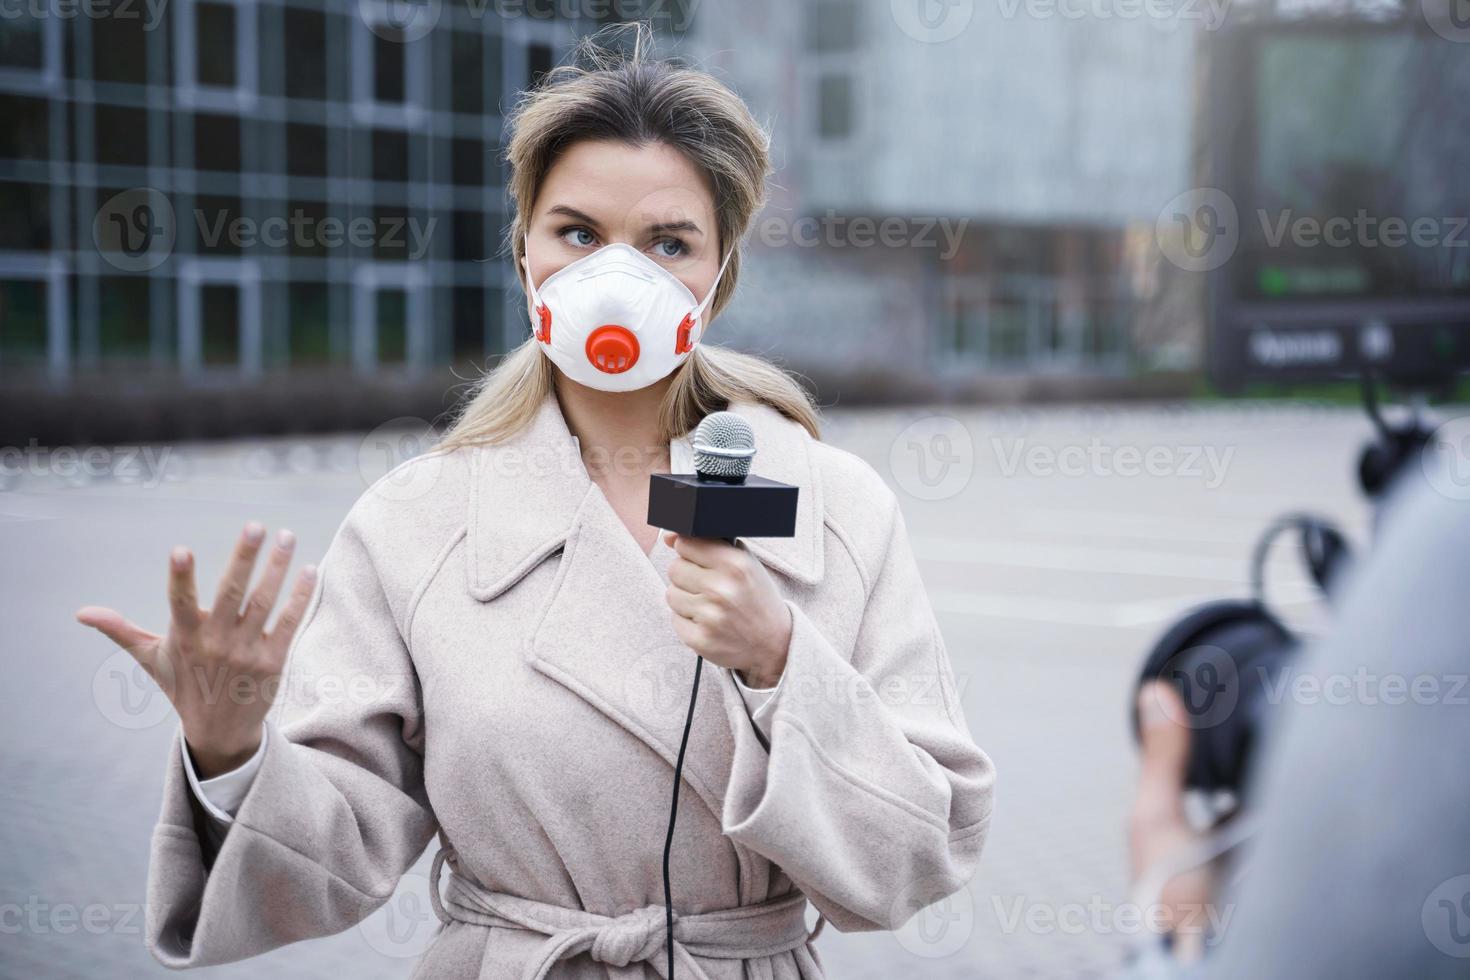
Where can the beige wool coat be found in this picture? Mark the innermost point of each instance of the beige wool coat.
(506, 677)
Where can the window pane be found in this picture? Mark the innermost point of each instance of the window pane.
(1009, 323)
(122, 319)
(219, 323)
(392, 326)
(311, 335)
(538, 63)
(122, 135)
(466, 72)
(390, 155)
(832, 26)
(213, 218)
(468, 243)
(27, 217)
(469, 323)
(120, 49)
(24, 135)
(392, 237)
(216, 142)
(22, 324)
(388, 68)
(306, 53)
(21, 42)
(306, 150)
(214, 44)
(834, 106)
(309, 232)
(467, 162)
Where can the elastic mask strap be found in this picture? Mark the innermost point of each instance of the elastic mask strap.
(699, 310)
(698, 314)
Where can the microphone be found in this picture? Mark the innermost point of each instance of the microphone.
(721, 499)
(724, 446)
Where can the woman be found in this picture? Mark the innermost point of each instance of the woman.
(508, 642)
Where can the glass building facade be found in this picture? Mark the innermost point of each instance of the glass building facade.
(215, 193)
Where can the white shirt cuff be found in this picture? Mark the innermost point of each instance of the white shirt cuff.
(222, 795)
(758, 701)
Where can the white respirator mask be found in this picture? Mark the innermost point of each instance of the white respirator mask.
(616, 320)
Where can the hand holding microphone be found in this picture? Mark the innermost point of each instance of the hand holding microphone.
(727, 610)
(726, 606)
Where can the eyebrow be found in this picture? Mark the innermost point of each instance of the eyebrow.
(661, 228)
(665, 228)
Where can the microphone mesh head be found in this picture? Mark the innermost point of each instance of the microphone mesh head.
(724, 444)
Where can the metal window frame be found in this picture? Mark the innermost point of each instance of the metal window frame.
(1037, 293)
(362, 65)
(188, 92)
(52, 270)
(814, 66)
(193, 274)
(370, 278)
(48, 77)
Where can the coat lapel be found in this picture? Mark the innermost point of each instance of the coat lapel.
(605, 631)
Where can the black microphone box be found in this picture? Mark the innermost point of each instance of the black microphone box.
(696, 508)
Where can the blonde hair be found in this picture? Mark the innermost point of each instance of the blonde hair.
(610, 92)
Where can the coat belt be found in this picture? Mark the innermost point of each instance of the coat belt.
(740, 933)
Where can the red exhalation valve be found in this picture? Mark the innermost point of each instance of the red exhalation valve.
(681, 340)
(612, 349)
(543, 328)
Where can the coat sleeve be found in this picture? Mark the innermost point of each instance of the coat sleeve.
(337, 811)
(872, 796)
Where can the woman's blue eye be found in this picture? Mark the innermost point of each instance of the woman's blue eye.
(579, 236)
(670, 248)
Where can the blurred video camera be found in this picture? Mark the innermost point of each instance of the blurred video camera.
(1225, 657)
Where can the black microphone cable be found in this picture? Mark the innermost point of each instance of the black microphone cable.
(674, 813)
(674, 805)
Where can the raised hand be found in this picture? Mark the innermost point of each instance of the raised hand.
(219, 666)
